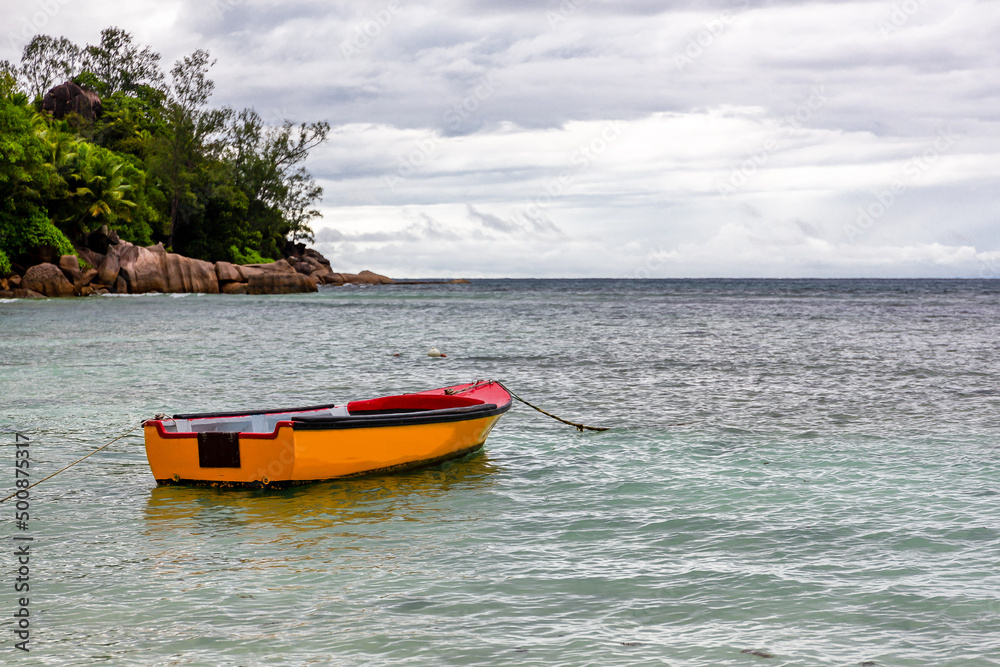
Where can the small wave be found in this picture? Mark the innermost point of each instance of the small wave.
(118, 296)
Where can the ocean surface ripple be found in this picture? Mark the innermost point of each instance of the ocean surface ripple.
(799, 473)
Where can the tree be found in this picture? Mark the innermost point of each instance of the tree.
(47, 61)
(98, 189)
(22, 155)
(87, 186)
(128, 123)
(158, 163)
(120, 66)
(303, 193)
(8, 79)
(191, 136)
(268, 166)
(219, 223)
(23, 223)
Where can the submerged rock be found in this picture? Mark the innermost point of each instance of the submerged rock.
(759, 654)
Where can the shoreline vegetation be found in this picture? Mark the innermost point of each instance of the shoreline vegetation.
(118, 178)
(120, 267)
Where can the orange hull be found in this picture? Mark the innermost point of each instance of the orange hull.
(312, 444)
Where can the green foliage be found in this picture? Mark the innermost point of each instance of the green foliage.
(8, 80)
(246, 256)
(185, 156)
(121, 66)
(27, 229)
(158, 164)
(220, 222)
(23, 178)
(46, 62)
(98, 190)
(128, 124)
(4, 264)
(89, 186)
(21, 156)
(267, 165)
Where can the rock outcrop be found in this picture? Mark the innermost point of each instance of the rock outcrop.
(18, 293)
(141, 268)
(101, 239)
(281, 266)
(367, 278)
(311, 263)
(153, 269)
(70, 266)
(185, 274)
(47, 279)
(108, 268)
(279, 283)
(227, 273)
(86, 278)
(44, 254)
(70, 98)
(112, 265)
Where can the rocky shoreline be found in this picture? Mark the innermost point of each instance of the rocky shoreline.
(114, 266)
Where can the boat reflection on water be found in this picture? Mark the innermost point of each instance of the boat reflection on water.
(420, 495)
(219, 557)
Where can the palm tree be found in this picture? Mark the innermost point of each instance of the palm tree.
(97, 187)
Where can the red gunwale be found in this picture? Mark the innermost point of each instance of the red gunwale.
(432, 399)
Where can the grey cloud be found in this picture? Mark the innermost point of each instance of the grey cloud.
(421, 227)
(885, 95)
(493, 222)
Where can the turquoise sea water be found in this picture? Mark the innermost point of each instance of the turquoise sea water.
(806, 469)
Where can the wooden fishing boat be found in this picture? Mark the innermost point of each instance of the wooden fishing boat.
(277, 448)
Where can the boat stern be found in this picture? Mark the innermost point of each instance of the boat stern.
(220, 458)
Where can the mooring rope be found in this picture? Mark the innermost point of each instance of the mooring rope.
(477, 383)
(579, 427)
(71, 464)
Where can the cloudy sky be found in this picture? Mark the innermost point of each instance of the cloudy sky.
(599, 138)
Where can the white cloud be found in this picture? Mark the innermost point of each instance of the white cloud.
(473, 138)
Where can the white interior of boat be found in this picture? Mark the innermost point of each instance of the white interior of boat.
(245, 424)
